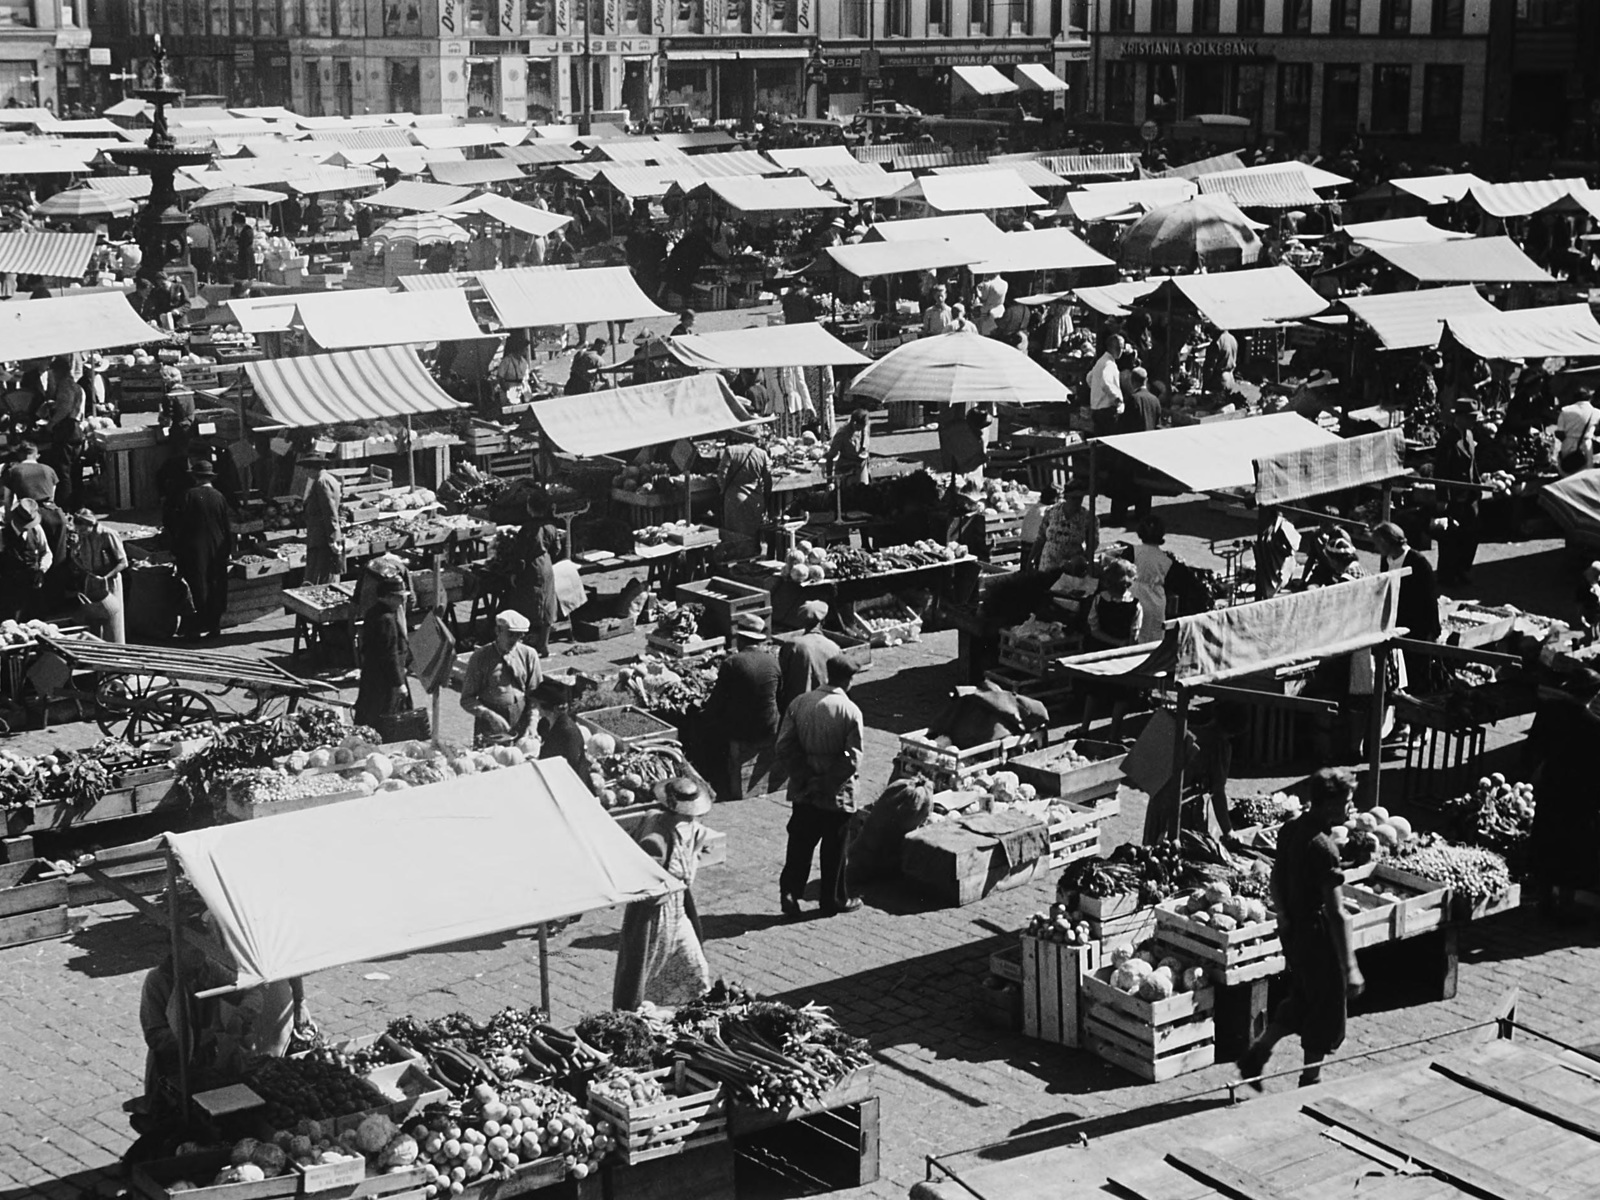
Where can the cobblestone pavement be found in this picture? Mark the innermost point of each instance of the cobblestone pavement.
(898, 972)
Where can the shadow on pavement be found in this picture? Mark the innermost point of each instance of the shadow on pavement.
(907, 699)
(80, 1185)
(121, 945)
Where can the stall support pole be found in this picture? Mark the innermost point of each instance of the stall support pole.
(544, 969)
(1094, 496)
(1387, 501)
(439, 602)
(1180, 738)
(411, 457)
(1380, 678)
(179, 984)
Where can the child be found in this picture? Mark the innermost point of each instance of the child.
(1589, 601)
(1033, 525)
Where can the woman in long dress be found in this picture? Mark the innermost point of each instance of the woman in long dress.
(1151, 564)
(661, 958)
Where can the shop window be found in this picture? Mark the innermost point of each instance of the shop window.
(1119, 91)
(405, 85)
(1252, 16)
(268, 22)
(1394, 17)
(853, 18)
(313, 70)
(1441, 101)
(542, 104)
(344, 87)
(1122, 17)
(1341, 104)
(1297, 16)
(691, 16)
(482, 87)
(1449, 17)
(1207, 16)
(1391, 98)
(1345, 18)
(318, 16)
(1547, 14)
(401, 18)
(18, 13)
(1161, 91)
(1294, 100)
(1249, 92)
(17, 86)
(1164, 16)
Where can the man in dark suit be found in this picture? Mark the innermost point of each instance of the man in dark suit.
(204, 547)
(1457, 462)
(1141, 413)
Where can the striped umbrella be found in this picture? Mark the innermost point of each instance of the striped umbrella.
(421, 228)
(237, 195)
(84, 202)
(1207, 231)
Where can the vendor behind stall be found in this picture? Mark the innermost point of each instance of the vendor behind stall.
(96, 559)
(324, 522)
(498, 686)
(745, 473)
(1458, 463)
(1417, 608)
(847, 454)
(384, 654)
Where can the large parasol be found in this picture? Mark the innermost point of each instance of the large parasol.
(422, 228)
(223, 196)
(1206, 231)
(84, 202)
(958, 368)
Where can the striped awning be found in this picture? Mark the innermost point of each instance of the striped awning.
(346, 386)
(726, 165)
(1279, 189)
(43, 252)
(539, 154)
(1090, 164)
(364, 139)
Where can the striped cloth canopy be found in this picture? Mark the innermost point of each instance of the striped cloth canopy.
(345, 386)
(223, 196)
(421, 228)
(46, 252)
(84, 202)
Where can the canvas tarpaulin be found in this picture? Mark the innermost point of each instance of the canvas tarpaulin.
(1469, 260)
(857, 185)
(368, 317)
(1574, 502)
(1032, 173)
(1040, 250)
(1222, 454)
(345, 386)
(1039, 78)
(471, 173)
(806, 344)
(1250, 299)
(964, 228)
(810, 158)
(1523, 197)
(983, 80)
(1559, 331)
(1113, 299)
(767, 195)
(412, 195)
(868, 260)
(513, 213)
(507, 850)
(981, 192)
(1403, 231)
(526, 299)
(1411, 320)
(264, 314)
(617, 419)
(1293, 475)
(1438, 189)
(92, 321)
(44, 252)
(1097, 201)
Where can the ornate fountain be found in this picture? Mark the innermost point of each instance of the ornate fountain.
(162, 224)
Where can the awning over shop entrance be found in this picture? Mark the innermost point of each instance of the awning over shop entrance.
(525, 298)
(348, 385)
(1222, 454)
(614, 420)
(982, 80)
(1036, 77)
(94, 321)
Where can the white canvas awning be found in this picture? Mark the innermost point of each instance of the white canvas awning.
(869, 260)
(809, 158)
(770, 195)
(727, 164)
(1251, 299)
(525, 217)
(1412, 320)
(864, 185)
(983, 80)
(637, 183)
(460, 136)
(806, 344)
(1097, 201)
(91, 321)
(1438, 189)
(1113, 299)
(1033, 174)
(531, 298)
(23, 159)
(474, 172)
(1277, 189)
(1401, 231)
(1558, 331)
(1470, 260)
(1524, 197)
(412, 195)
(1036, 77)
(264, 314)
(981, 192)
(613, 420)
(965, 227)
(1220, 455)
(345, 386)
(1314, 177)
(535, 830)
(1040, 250)
(369, 317)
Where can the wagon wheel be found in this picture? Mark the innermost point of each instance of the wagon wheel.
(172, 708)
(121, 702)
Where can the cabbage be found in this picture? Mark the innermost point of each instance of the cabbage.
(602, 745)
(271, 1159)
(1121, 954)
(401, 1151)
(243, 1151)
(1224, 922)
(1157, 985)
(374, 1133)
(379, 766)
(300, 1146)
(243, 1173)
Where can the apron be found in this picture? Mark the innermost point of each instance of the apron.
(660, 958)
(506, 694)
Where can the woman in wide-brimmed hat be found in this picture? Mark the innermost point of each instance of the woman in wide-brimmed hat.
(24, 558)
(661, 958)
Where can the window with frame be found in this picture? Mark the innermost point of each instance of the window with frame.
(1394, 17)
(1547, 14)
(1391, 98)
(1119, 91)
(347, 18)
(1441, 100)
(318, 16)
(1294, 99)
(853, 18)
(979, 13)
(1164, 16)
(1345, 18)
(1297, 16)
(1207, 16)
(292, 25)
(401, 18)
(691, 16)
(268, 19)
(1252, 16)
(897, 18)
(1121, 16)
(1449, 17)
(937, 17)
(539, 16)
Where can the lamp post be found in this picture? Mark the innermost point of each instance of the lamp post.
(586, 117)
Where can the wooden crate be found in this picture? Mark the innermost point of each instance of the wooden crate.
(1007, 964)
(958, 867)
(694, 1114)
(596, 720)
(154, 1179)
(724, 599)
(485, 437)
(1031, 655)
(1394, 904)
(1231, 956)
(234, 808)
(407, 1088)
(1052, 977)
(695, 535)
(1095, 782)
(258, 570)
(349, 1181)
(1074, 834)
(159, 795)
(950, 766)
(1462, 909)
(855, 650)
(33, 902)
(601, 630)
(676, 649)
(860, 1085)
(1153, 1039)
(1113, 920)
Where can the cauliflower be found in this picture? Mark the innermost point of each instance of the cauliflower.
(374, 1133)
(1121, 954)
(1157, 985)
(243, 1151)
(1126, 977)
(400, 1152)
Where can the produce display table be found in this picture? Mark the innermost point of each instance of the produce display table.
(946, 577)
(315, 607)
(959, 867)
(138, 794)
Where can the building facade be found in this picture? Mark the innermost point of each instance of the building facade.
(1314, 72)
(44, 55)
(904, 50)
(488, 59)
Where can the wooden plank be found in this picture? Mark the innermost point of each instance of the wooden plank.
(1540, 1103)
(1030, 990)
(1479, 1180)
(1227, 1179)
(1472, 1109)
(1161, 1181)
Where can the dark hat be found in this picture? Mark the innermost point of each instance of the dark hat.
(202, 467)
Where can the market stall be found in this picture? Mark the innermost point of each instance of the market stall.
(1468, 260)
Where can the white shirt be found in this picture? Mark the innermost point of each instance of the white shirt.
(1572, 422)
(1105, 384)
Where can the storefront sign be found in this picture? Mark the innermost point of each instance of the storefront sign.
(563, 18)
(1075, 54)
(690, 45)
(73, 39)
(549, 47)
(451, 17)
(1193, 48)
(613, 16)
(99, 56)
(805, 16)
